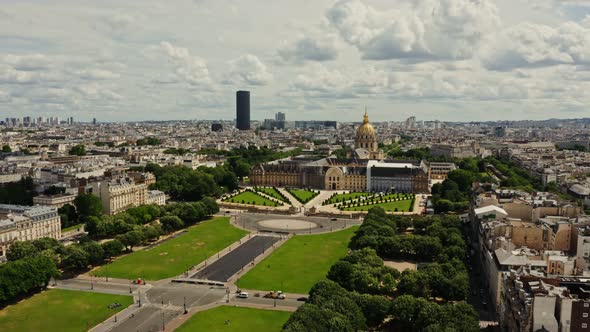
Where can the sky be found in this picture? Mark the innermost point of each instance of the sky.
(448, 60)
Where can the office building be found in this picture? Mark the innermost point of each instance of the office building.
(280, 116)
(243, 110)
(217, 127)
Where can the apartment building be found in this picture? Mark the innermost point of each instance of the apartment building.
(27, 223)
(120, 194)
(56, 201)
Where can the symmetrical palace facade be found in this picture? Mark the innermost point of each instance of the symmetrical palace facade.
(358, 174)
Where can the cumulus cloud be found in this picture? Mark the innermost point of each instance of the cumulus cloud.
(95, 91)
(98, 74)
(189, 68)
(535, 45)
(4, 96)
(426, 29)
(322, 82)
(309, 48)
(28, 62)
(248, 69)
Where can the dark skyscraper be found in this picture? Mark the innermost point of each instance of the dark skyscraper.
(243, 110)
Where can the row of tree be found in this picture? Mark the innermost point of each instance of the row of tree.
(142, 217)
(185, 184)
(364, 294)
(21, 192)
(22, 277)
(433, 239)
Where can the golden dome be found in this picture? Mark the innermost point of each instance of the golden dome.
(366, 129)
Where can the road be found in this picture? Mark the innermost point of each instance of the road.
(228, 265)
(261, 302)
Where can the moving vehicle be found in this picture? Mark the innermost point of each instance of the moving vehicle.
(242, 295)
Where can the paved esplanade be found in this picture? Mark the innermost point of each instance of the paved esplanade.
(228, 265)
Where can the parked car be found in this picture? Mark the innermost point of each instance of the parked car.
(242, 295)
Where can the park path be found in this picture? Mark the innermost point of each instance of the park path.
(271, 198)
(290, 197)
(317, 201)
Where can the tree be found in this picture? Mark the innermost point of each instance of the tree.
(150, 233)
(78, 150)
(112, 248)
(6, 148)
(375, 308)
(53, 190)
(131, 239)
(68, 214)
(171, 223)
(88, 205)
(23, 276)
(74, 258)
(20, 250)
(95, 252)
(45, 243)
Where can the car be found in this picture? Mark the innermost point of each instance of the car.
(302, 299)
(242, 295)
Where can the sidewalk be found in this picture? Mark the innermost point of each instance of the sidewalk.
(117, 318)
(290, 197)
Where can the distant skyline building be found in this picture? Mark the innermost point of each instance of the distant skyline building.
(316, 124)
(280, 116)
(411, 122)
(243, 110)
(217, 127)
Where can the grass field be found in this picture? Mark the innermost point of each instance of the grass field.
(303, 195)
(345, 197)
(60, 311)
(248, 197)
(71, 228)
(173, 257)
(299, 263)
(272, 192)
(227, 319)
(402, 206)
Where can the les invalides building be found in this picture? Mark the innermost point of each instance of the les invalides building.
(367, 170)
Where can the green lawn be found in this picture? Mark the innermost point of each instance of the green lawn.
(302, 195)
(272, 192)
(173, 257)
(71, 228)
(402, 206)
(227, 319)
(248, 197)
(61, 311)
(299, 263)
(345, 197)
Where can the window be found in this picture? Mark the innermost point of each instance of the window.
(584, 325)
(586, 304)
(585, 315)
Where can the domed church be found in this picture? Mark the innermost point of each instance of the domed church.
(366, 144)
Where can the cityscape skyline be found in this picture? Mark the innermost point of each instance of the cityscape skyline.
(147, 60)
